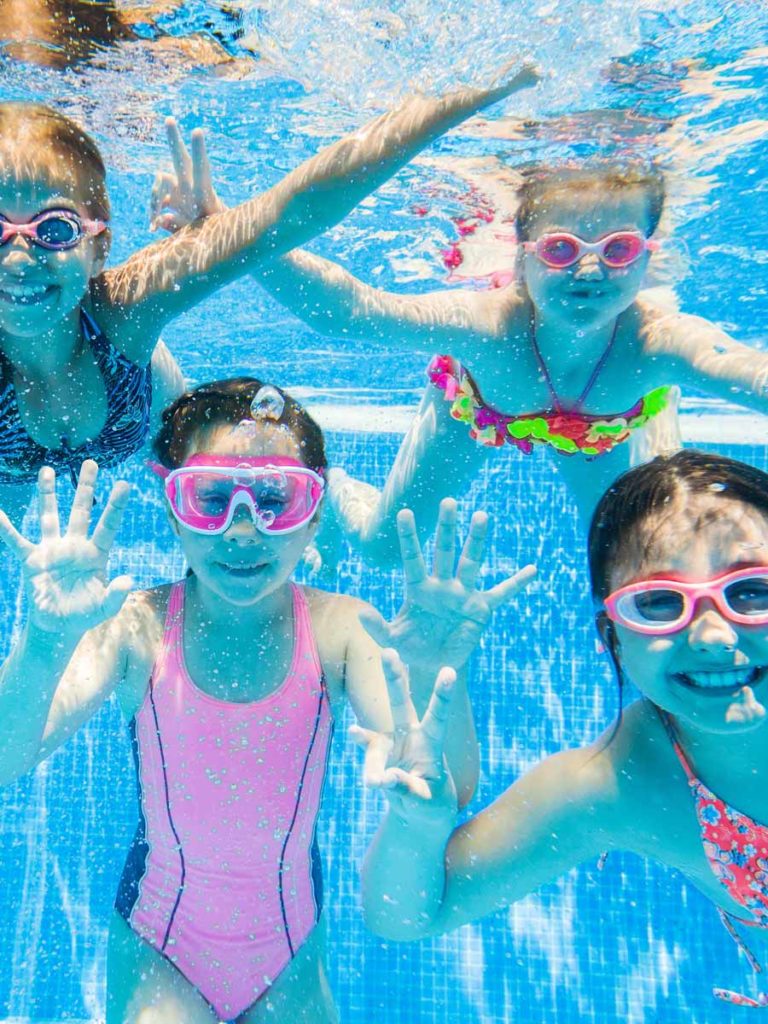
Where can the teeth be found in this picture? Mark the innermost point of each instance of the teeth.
(732, 678)
(24, 292)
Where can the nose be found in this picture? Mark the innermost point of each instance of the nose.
(17, 255)
(242, 530)
(589, 267)
(710, 631)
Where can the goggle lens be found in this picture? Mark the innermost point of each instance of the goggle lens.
(749, 596)
(58, 231)
(621, 250)
(559, 251)
(652, 606)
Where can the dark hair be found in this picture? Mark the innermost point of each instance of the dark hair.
(542, 182)
(649, 488)
(44, 140)
(229, 402)
(646, 490)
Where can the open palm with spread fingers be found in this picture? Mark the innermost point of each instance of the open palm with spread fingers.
(444, 614)
(65, 573)
(409, 763)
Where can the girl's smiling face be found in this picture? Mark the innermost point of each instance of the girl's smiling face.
(38, 286)
(243, 565)
(588, 293)
(709, 672)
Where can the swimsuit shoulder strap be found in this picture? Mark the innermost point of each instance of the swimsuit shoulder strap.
(670, 730)
(556, 403)
(305, 644)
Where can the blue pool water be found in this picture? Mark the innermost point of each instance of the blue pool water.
(686, 82)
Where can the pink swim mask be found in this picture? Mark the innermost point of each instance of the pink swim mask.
(658, 607)
(281, 493)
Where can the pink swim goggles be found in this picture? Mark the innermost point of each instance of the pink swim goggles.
(619, 249)
(658, 607)
(281, 493)
(52, 229)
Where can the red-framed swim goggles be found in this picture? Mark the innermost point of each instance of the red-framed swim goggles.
(619, 249)
(658, 607)
(281, 493)
(52, 229)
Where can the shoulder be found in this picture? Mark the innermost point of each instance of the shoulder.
(140, 628)
(334, 619)
(671, 333)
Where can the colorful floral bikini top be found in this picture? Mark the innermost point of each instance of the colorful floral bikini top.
(736, 848)
(567, 430)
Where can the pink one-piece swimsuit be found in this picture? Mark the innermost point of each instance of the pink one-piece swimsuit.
(223, 875)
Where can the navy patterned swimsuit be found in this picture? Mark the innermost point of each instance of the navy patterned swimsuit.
(129, 397)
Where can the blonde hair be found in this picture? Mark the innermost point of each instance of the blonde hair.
(541, 184)
(36, 139)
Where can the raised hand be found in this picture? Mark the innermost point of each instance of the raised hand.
(443, 615)
(408, 764)
(187, 194)
(65, 573)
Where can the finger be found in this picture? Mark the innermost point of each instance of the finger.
(472, 553)
(435, 721)
(162, 188)
(12, 539)
(404, 715)
(205, 196)
(414, 569)
(507, 589)
(82, 506)
(167, 222)
(110, 519)
(376, 756)
(46, 503)
(182, 163)
(406, 782)
(445, 540)
(362, 737)
(376, 626)
(117, 591)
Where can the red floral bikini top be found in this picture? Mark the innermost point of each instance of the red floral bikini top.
(567, 430)
(736, 848)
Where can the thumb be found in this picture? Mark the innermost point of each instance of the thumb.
(376, 626)
(117, 591)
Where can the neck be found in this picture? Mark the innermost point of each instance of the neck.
(561, 343)
(726, 759)
(209, 613)
(46, 355)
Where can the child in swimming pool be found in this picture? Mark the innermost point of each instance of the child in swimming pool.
(678, 555)
(571, 355)
(78, 342)
(230, 680)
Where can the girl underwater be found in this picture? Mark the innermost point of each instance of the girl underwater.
(231, 680)
(678, 553)
(78, 343)
(571, 356)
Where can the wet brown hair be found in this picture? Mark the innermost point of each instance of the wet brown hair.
(227, 403)
(541, 184)
(35, 140)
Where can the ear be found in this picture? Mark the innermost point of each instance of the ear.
(607, 632)
(102, 244)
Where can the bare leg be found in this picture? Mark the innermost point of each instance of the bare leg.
(435, 460)
(301, 993)
(144, 988)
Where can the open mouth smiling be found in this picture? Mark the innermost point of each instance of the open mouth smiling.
(723, 682)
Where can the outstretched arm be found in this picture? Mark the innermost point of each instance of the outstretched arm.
(69, 656)
(423, 875)
(695, 353)
(308, 201)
